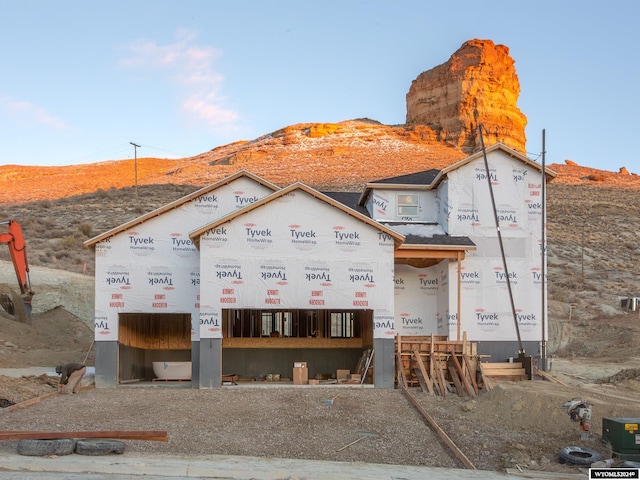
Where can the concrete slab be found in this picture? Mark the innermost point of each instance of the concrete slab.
(227, 467)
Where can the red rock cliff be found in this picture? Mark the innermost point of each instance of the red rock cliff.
(479, 80)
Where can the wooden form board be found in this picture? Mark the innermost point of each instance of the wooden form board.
(439, 366)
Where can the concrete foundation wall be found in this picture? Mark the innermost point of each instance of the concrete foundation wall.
(210, 364)
(384, 362)
(256, 363)
(106, 364)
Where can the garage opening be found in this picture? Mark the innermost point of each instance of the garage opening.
(145, 338)
(259, 343)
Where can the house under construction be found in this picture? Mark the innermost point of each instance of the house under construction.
(242, 278)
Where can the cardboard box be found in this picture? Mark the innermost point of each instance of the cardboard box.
(342, 374)
(300, 375)
(313, 381)
(356, 377)
(299, 364)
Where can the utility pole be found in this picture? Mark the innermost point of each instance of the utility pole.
(135, 164)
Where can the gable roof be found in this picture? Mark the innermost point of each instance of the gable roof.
(479, 154)
(430, 179)
(177, 203)
(195, 235)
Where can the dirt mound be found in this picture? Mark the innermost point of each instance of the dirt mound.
(54, 337)
(17, 390)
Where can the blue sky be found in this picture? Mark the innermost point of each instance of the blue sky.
(82, 79)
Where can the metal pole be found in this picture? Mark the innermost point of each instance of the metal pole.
(135, 163)
(543, 251)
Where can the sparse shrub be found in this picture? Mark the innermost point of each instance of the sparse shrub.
(86, 229)
(101, 194)
(67, 243)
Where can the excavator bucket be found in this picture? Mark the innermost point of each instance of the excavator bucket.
(15, 306)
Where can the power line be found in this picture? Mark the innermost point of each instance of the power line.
(180, 155)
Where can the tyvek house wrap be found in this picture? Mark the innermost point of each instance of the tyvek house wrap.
(486, 312)
(296, 252)
(416, 300)
(154, 267)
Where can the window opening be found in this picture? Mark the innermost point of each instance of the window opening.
(292, 323)
(407, 205)
(342, 324)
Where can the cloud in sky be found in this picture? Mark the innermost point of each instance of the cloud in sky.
(30, 114)
(191, 67)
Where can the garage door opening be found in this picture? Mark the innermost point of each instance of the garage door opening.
(145, 338)
(257, 343)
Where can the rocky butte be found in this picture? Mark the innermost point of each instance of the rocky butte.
(478, 84)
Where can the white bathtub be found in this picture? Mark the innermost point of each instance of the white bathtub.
(172, 370)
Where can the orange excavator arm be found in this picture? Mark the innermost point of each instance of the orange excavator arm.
(17, 249)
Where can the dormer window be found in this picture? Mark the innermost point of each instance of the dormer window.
(407, 205)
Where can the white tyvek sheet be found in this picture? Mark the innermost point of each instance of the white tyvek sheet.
(296, 252)
(486, 312)
(154, 267)
(517, 194)
(416, 300)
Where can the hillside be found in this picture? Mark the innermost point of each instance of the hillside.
(342, 157)
(593, 245)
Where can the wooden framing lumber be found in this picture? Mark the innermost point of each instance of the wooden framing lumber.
(485, 379)
(550, 377)
(441, 380)
(472, 373)
(150, 435)
(423, 371)
(460, 371)
(401, 376)
(31, 401)
(441, 433)
(421, 381)
(503, 369)
(456, 380)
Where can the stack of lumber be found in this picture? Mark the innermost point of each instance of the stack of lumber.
(495, 372)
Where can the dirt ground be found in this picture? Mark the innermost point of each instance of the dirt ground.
(514, 425)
